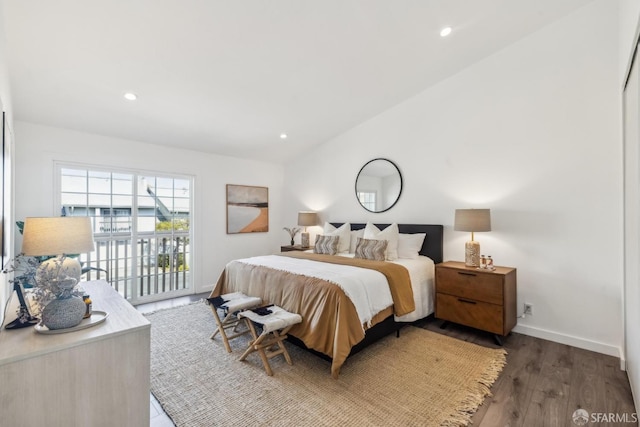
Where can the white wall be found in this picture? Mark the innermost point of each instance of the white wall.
(532, 133)
(37, 147)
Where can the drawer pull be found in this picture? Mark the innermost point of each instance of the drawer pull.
(466, 301)
(464, 273)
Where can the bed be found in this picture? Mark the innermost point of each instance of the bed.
(336, 323)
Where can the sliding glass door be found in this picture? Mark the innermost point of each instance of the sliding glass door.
(141, 224)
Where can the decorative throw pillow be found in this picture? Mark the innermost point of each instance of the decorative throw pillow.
(390, 234)
(370, 249)
(344, 232)
(354, 239)
(327, 245)
(409, 245)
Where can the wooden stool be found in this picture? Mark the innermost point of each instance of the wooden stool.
(275, 326)
(231, 304)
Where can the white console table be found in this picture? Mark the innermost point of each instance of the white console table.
(97, 376)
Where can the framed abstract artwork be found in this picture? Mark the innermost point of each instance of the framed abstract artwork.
(247, 209)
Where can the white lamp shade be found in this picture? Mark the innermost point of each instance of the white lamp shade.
(307, 219)
(57, 236)
(472, 220)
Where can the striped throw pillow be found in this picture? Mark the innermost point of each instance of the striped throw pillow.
(327, 245)
(371, 249)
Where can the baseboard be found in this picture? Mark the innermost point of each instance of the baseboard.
(582, 343)
(203, 289)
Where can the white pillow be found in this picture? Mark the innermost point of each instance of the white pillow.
(409, 245)
(390, 234)
(344, 232)
(354, 239)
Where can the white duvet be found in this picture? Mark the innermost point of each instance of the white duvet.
(367, 289)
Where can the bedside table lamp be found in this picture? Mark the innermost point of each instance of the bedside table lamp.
(306, 219)
(472, 220)
(59, 236)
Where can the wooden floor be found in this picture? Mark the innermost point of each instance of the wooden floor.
(542, 384)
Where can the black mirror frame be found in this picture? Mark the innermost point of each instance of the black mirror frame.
(401, 184)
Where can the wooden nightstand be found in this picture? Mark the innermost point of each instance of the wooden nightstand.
(481, 299)
(294, 248)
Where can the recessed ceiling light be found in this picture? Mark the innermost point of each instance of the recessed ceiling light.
(283, 136)
(445, 31)
(130, 96)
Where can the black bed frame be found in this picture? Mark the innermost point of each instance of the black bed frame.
(432, 248)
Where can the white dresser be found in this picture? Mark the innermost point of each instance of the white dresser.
(97, 376)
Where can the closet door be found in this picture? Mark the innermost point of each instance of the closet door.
(631, 99)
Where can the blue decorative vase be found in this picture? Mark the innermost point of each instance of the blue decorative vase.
(63, 313)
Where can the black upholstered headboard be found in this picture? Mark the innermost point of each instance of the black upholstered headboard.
(432, 246)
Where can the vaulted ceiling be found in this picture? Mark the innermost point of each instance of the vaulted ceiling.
(230, 76)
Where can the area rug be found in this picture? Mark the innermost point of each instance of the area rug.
(419, 379)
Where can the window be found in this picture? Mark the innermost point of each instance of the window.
(141, 228)
(367, 200)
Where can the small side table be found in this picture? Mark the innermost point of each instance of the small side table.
(289, 248)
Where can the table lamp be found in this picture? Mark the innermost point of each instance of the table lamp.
(472, 220)
(306, 219)
(59, 236)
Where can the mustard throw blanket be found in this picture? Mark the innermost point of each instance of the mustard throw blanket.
(397, 276)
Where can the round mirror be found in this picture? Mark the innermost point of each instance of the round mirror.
(378, 185)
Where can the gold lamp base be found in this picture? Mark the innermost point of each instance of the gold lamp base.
(472, 254)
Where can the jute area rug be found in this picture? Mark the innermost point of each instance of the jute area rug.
(420, 379)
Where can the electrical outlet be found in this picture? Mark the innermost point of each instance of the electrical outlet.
(528, 309)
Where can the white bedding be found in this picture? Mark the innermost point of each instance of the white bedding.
(367, 289)
(422, 274)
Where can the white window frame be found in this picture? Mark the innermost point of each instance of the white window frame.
(135, 298)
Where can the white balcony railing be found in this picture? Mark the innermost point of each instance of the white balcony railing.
(161, 265)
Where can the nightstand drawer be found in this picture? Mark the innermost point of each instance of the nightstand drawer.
(477, 314)
(469, 284)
